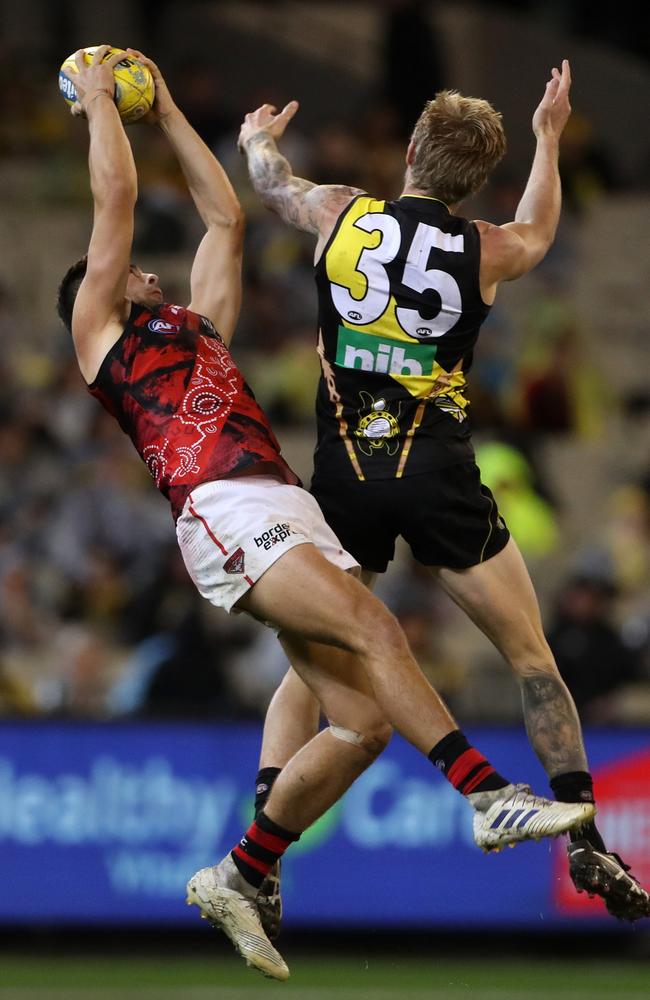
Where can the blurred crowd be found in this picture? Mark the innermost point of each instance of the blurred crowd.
(98, 617)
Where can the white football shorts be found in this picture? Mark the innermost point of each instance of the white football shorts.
(230, 531)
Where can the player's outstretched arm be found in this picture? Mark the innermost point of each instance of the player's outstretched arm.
(100, 305)
(216, 272)
(311, 207)
(538, 213)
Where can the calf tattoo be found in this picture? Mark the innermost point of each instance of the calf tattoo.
(552, 723)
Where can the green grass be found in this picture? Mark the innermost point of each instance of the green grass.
(322, 978)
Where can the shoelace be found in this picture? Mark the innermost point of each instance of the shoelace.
(249, 904)
(626, 869)
(525, 791)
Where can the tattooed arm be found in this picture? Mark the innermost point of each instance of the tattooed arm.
(311, 207)
(301, 203)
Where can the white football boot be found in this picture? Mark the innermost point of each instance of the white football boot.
(515, 813)
(228, 901)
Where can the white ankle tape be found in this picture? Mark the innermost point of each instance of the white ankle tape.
(347, 735)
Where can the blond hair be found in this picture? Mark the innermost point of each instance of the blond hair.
(458, 141)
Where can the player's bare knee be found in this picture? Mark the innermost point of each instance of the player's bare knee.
(379, 632)
(372, 738)
(378, 738)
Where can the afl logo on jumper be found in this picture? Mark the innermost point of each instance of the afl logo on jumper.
(161, 326)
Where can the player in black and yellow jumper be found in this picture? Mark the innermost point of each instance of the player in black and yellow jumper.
(399, 313)
(403, 288)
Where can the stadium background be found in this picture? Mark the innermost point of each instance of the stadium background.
(130, 710)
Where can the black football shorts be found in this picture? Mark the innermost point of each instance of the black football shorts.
(448, 517)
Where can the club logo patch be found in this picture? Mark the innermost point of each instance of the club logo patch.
(235, 563)
(377, 428)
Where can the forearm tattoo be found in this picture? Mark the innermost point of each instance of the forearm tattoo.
(271, 175)
(552, 723)
(299, 202)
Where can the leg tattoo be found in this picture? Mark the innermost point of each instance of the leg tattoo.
(552, 723)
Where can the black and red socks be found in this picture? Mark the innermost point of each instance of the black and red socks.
(464, 766)
(578, 786)
(263, 784)
(262, 845)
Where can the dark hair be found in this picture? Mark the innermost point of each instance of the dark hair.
(67, 292)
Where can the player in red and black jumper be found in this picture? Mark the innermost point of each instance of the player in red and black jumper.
(252, 539)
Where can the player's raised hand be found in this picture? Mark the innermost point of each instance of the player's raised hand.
(266, 119)
(554, 109)
(93, 78)
(163, 104)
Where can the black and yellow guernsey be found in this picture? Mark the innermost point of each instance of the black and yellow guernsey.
(399, 312)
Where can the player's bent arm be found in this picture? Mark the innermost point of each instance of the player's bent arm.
(522, 244)
(216, 272)
(531, 234)
(211, 191)
(515, 248)
(208, 183)
(100, 305)
(216, 277)
(507, 252)
(538, 212)
(311, 207)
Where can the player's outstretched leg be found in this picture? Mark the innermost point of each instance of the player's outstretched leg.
(292, 720)
(515, 813)
(499, 597)
(312, 781)
(504, 813)
(228, 901)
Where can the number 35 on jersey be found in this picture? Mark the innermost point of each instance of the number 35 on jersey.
(403, 286)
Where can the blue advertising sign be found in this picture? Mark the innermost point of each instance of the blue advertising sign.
(104, 824)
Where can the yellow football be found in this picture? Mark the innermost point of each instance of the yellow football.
(134, 86)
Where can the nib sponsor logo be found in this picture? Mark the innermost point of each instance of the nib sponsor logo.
(369, 353)
(278, 533)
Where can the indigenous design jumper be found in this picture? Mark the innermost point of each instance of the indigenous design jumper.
(173, 386)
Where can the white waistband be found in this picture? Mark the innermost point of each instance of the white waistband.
(238, 482)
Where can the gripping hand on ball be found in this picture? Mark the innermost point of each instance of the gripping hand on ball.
(93, 78)
(163, 104)
(265, 119)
